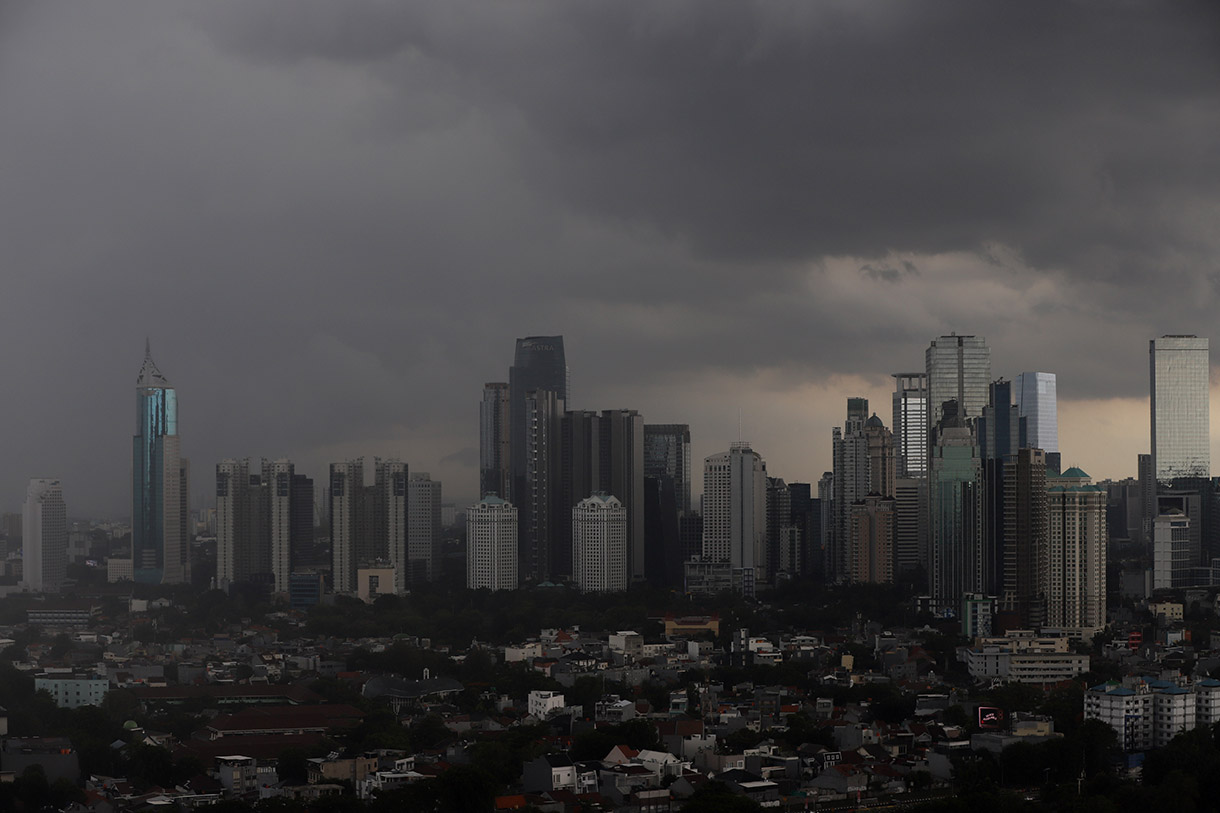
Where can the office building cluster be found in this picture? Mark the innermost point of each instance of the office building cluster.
(600, 499)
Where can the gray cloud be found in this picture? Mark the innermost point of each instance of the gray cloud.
(333, 218)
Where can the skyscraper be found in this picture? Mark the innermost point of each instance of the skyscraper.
(958, 369)
(1076, 557)
(538, 364)
(910, 424)
(873, 527)
(667, 454)
(423, 528)
(491, 545)
(159, 539)
(242, 538)
(735, 514)
(864, 464)
(44, 534)
(958, 564)
(599, 544)
(1026, 554)
(1037, 402)
(495, 463)
(1179, 368)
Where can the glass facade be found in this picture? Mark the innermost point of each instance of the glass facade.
(1180, 373)
(958, 369)
(1036, 400)
(155, 471)
(958, 561)
(667, 454)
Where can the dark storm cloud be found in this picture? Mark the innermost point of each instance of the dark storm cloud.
(334, 217)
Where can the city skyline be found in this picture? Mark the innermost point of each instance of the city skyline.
(384, 197)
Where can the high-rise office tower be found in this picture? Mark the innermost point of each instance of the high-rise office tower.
(958, 369)
(1037, 402)
(495, 462)
(303, 525)
(1171, 556)
(958, 562)
(826, 525)
(779, 527)
(1179, 369)
(874, 525)
(491, 545)
(667, 454)
(599, 544)
(664, 554)
(910, 424)
(538, 364)
(806, 518)
(1076, 554)
(734, 514)
(423, 528)
(999, 436)
(44, 535)
(159, 515)
(1147, 495)
(1027, 534)
(541, 487)
(368, 523)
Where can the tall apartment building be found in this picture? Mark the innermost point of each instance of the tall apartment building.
(368, 523)
(910, 424)
(495, 456)
(599, 544)
(734, 514)
(491, 545)
(263, 518)
(1076, 553)
(864, 461)
(44, 535)
(423, 529)
(874, 524)
(160, 539)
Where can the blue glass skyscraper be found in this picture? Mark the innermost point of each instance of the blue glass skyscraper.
(158, 483)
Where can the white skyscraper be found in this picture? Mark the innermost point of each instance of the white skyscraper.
(44, 534)
(1036, 400)
(599, 544)
(423, 528)
(735, 513)
(491, 545)
(1179, 373)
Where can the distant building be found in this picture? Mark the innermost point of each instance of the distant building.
(667, 454)
(910, 424)
(734, 514)
(1180, 371)
(1076, 558)
(72, 690)
(1035, 395)
(44, 537)
(599, 544)
(423, 528)
(160, 511)
(368, 523)
(495, 466)
(958, 561)
(491, 545)
(872, 532)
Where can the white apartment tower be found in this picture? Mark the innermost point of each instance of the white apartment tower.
(491, 545)
(44, 535)
(599, 544)
(735, 513)
(278, 480)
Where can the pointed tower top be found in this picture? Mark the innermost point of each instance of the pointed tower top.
(150, 376)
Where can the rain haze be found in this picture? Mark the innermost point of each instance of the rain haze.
(332, 219)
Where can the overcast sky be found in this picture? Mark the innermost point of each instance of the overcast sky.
(333, 218)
